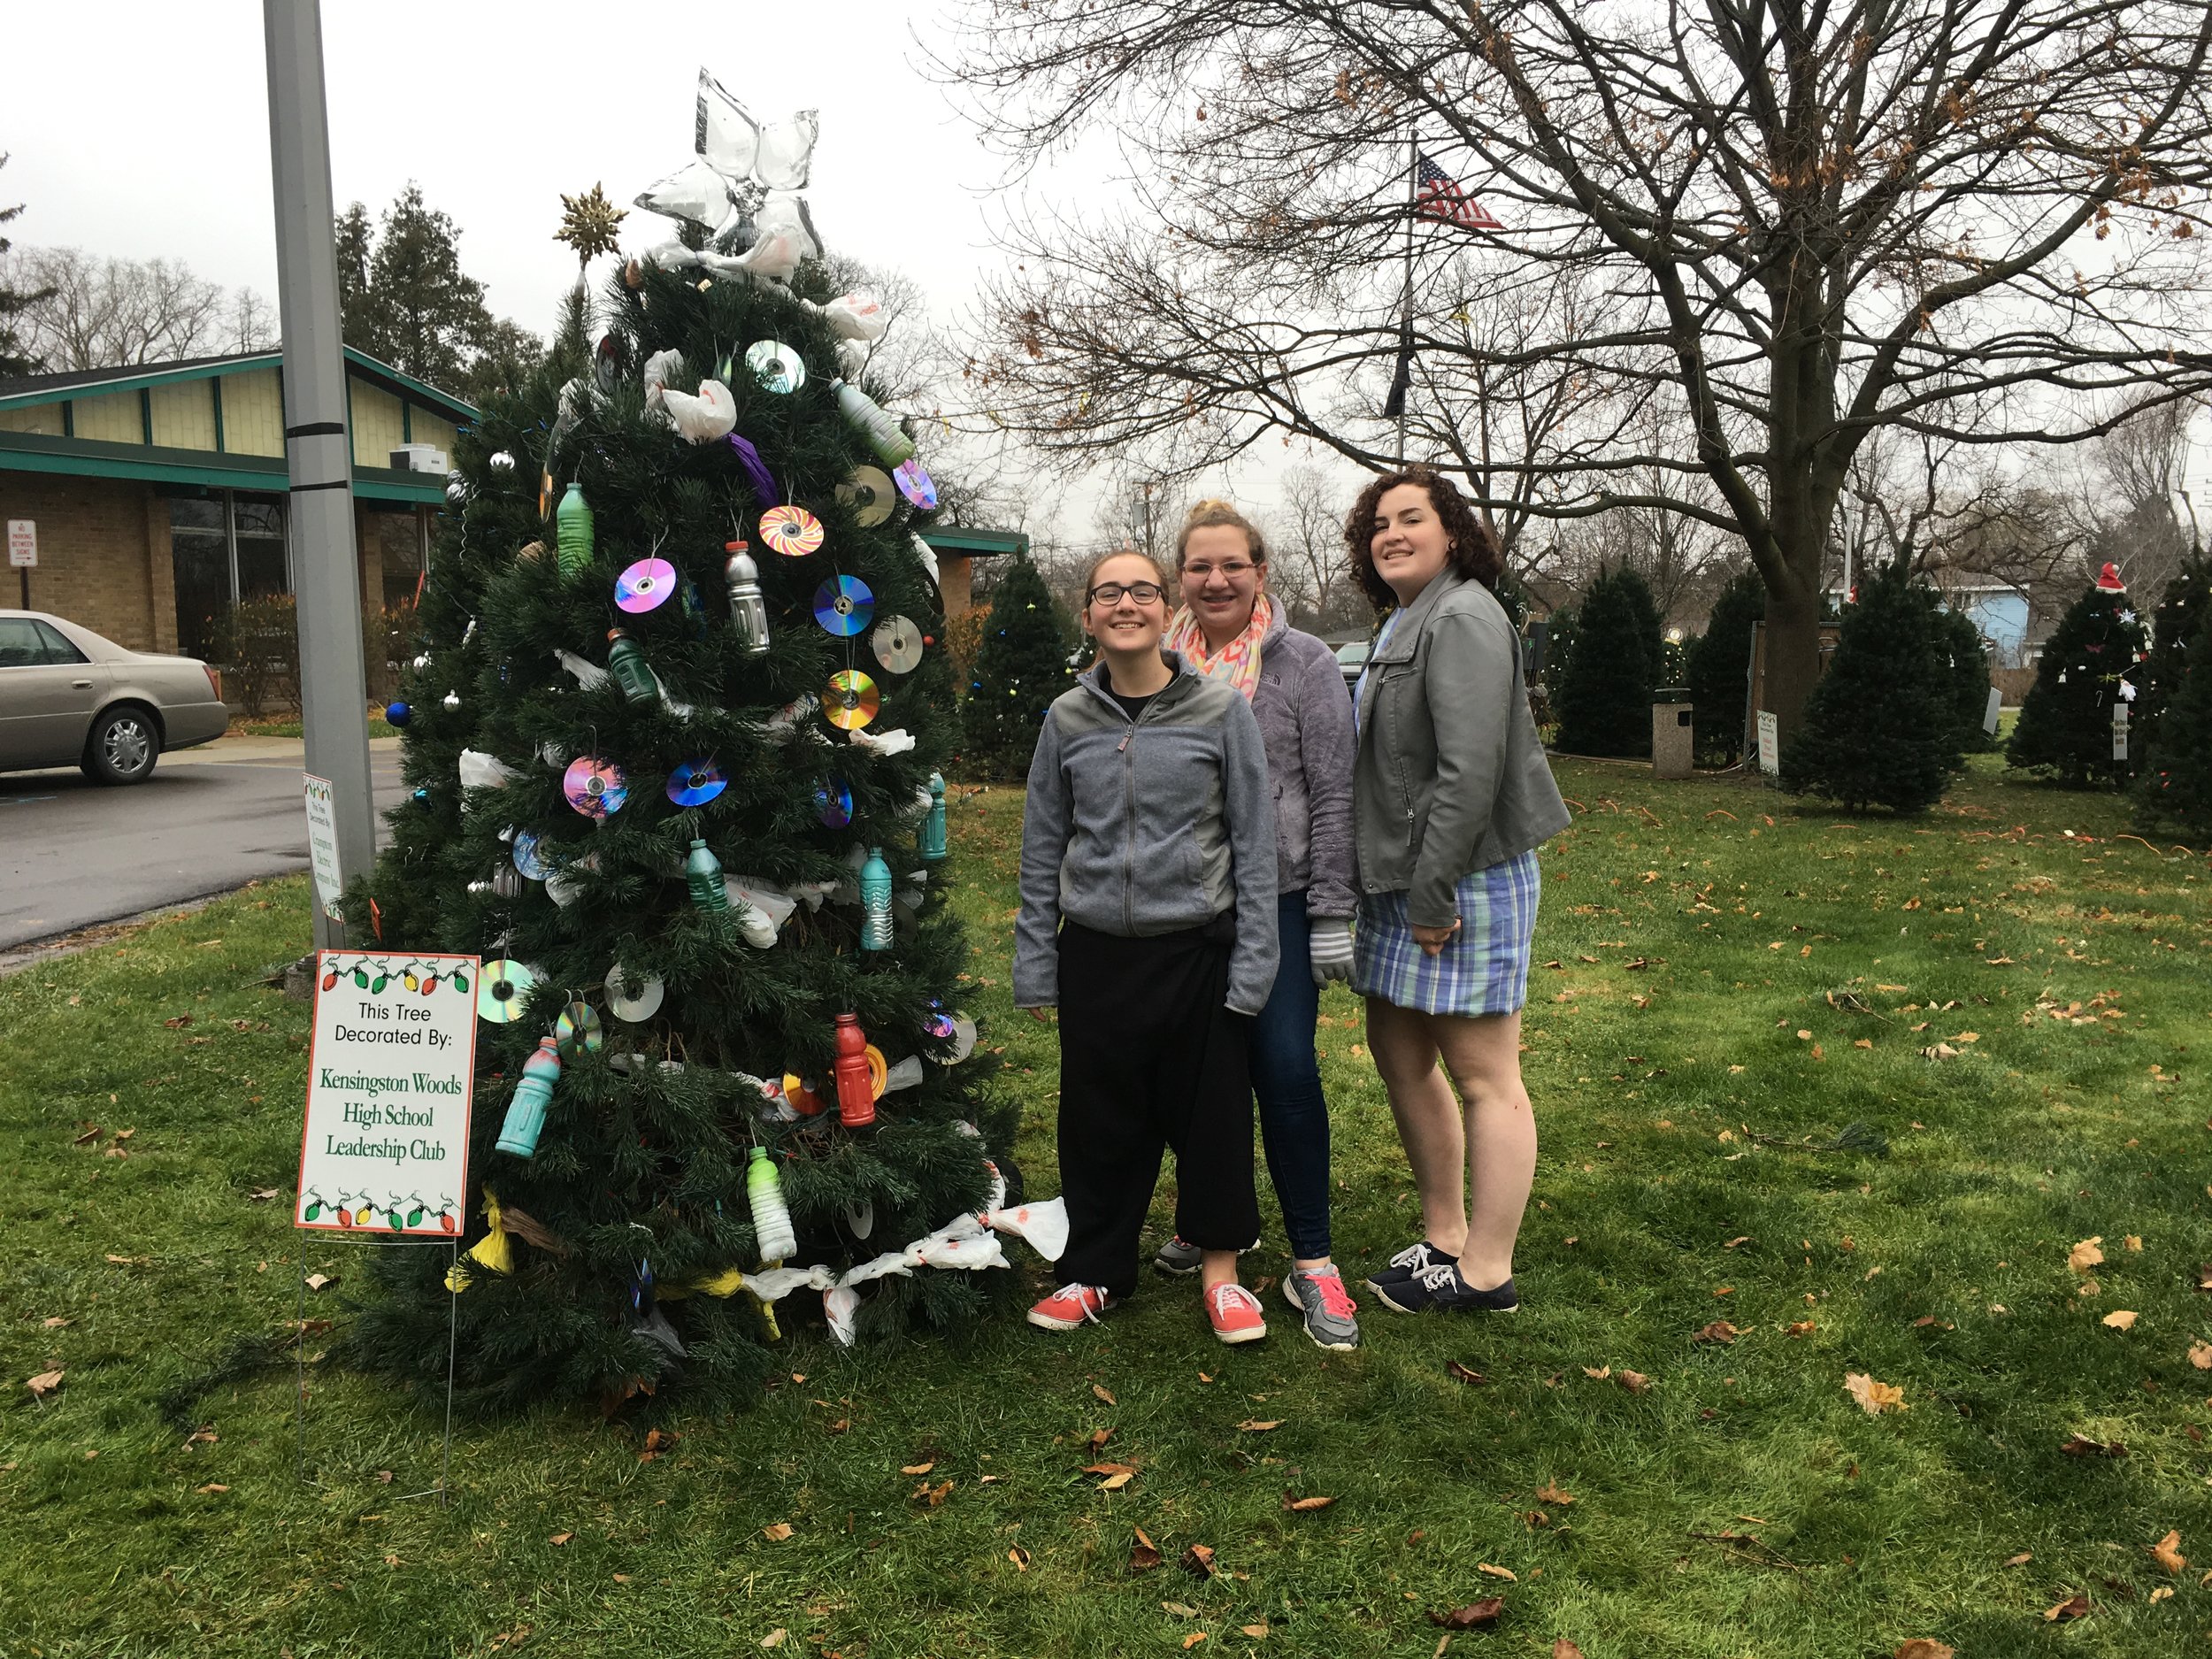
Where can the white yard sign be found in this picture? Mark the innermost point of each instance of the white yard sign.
(1770, 742)
(23, 544)
(322, 843)
(390, 1081)
(1990, 712)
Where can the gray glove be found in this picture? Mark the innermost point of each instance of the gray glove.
(1328, 946)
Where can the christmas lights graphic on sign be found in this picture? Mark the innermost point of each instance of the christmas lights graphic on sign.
(390, 1081)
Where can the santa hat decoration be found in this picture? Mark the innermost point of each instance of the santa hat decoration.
(2109, 579)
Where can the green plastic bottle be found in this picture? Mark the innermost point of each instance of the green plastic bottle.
(771, 1221)
(702, 873)
(629, 668)
(573, 532)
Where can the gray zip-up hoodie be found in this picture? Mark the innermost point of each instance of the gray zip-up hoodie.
(1306, 717)
(1143, 828)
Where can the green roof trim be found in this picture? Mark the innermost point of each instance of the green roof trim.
(82, 457)
(953, 538)
(139, 379)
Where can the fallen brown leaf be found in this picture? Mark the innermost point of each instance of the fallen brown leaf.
(916, 1468)
(2199, 1353)
(1257, 1632)
(1182, 1610)
(1099, 1389)
(1803, 1327)
(774, 1638)
(212, 1485)
(43, 1384)
(1198, 1559)
(1505, 1573)
(1302, 1506)
(2085, 1255)
(1562, 1648)
(1923, 1648)
(1144, 1555)
(934, 1496)
(1634, 1381)
(1019, 1558)
(1118, 1475)
(2072, 1607)
(1598, 1373)
(777, 1533)
(1254, 1426)
(1193, 1639)
(2119, 1319)
(321, 1281)
(58, 1322)
(1462, 1373)
(1475, 1616)
(2079, 1445)
(560, 1537)
(1098, 1443)
(2020, 1560)
(1720, 1331)
(2167, 1553)
(1874, 1398)
(1551, 1492)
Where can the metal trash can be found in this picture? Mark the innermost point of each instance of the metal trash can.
(1671, 733)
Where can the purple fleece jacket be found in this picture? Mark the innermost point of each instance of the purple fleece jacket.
(1305, 716)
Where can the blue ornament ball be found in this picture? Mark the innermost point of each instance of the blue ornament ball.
(397, 714)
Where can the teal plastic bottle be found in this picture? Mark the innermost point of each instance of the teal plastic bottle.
(702, 873)
(875, 902)
(573, 532)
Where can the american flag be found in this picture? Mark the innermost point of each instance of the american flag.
(1443, 198)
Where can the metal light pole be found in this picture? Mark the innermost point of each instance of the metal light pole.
(334, 696)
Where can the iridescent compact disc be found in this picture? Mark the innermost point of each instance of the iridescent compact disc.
(844, 605)
(834, 802)
(914, 484)
(593, 787)
(775, 366)
(851, 700)
(898, 644)
(645, 586)
(577, 1028)
(696, 782)
(792, 531)
(502, 990)
(868, 492)
(634, 999)
(527, 859)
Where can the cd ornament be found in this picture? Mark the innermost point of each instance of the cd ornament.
(791, 530)
(844, 605)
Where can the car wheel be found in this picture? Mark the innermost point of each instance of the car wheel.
(123, 747)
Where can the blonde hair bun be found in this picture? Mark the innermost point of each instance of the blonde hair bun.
(1215, 510)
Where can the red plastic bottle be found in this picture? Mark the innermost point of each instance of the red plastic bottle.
(856, 1092)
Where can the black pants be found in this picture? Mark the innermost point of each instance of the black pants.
(1149, 1058)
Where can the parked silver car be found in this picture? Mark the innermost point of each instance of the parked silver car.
(70, 698)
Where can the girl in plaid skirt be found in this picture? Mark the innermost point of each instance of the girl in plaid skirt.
(1451, 796)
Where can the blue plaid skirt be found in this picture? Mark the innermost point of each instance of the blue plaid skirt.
(1483, 970)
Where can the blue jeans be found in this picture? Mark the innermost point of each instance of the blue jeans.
(1293, 1115)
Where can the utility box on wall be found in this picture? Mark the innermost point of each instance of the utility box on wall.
(1671, 733)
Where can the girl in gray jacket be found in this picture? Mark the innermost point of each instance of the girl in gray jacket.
(1147, 918)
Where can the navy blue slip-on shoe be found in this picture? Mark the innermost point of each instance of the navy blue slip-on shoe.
(1413, 1259)
(1441, 1289)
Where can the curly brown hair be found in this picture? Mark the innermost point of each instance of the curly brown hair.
(1474, 550)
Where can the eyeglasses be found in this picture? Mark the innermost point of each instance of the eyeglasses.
(1111, 593)
(1233, 569)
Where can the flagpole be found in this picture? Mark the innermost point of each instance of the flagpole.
(1405, 307)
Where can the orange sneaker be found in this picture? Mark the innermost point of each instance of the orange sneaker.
(1234, 1313)
(1068, 1307)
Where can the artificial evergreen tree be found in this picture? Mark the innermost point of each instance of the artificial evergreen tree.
(2065, 726)
(1021, 666)
(1880, 727)
(1720, 668)
(1966, 658)
(724, 1060)
(1604, 704)
(2175, 624)
(2173, 795)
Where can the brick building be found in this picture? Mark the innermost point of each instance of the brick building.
(160, 491)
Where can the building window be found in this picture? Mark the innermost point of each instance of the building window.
(223, 547)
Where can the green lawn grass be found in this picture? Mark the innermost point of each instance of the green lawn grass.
(242, 727)
(1690, 1071)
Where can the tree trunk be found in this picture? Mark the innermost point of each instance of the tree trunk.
(1793, 655)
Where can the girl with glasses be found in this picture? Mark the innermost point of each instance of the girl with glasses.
(1230, 629)
(1148, 919)
(1451, 796)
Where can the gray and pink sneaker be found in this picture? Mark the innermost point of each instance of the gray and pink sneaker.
(1325, 1306)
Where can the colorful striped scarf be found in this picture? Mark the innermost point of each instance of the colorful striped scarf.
(1238, 661)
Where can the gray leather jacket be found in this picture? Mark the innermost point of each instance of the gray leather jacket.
(1450, 776)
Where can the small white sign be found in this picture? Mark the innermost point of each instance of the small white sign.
(322, 843)
(23, 544)
(1989, 712)
(1770, 743)
(390, 1080)
(2119, 731)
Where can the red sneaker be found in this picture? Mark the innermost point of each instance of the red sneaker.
(1068, 1307)
(1234, 1314)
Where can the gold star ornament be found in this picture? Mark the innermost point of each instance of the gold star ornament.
(589, 223)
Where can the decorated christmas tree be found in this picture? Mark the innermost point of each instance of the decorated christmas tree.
(2173, 795)
(1880, 727)
(1720, 668)
(1966, 660)
(2175, 624)
(1604, 700)
(1020, 667)
(2089, 665)
(673, 737)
